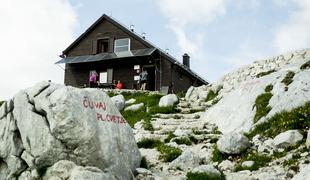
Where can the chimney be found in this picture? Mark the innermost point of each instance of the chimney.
(186, 60)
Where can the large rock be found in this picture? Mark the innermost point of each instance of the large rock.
(134, 107)
(287, 138)
(208, 169)
(51, 122)
(304, 173)
(119, 101)
(232, 143)
(186, 161)
(168, 100)
(308, 139)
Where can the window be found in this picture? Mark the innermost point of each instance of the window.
(102, 46)
(103, 77)
(122, 45)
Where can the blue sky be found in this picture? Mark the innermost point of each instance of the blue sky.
(219, 35)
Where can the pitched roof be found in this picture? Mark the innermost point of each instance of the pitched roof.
(106, 56)
(138, 37)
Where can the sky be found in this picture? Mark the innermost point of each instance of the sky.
(219, 35)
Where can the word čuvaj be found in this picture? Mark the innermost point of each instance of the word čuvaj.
(102, 106)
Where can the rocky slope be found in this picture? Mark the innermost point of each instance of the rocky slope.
(251, 124)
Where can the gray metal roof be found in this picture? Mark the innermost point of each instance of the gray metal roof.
(106, 56)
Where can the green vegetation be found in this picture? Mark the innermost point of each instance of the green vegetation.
(259, 161)
(151, 102)
(149, 143)
(298, 118)
(288, 79)
(292, 161)
(261, 104)
(265, 73)
(211, 95)
(218, 156)
(170, 136)
(168, 153)
(269, 88)
(183, 140)
(203, 176)
(306, 65)
(1, 102)
(143, 163)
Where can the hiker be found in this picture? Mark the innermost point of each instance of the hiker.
(93, 80)
(143, 79)
(119, 85)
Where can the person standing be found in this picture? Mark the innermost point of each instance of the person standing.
(93, 80)
(143, 79)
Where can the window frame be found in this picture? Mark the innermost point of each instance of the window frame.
(115, 47)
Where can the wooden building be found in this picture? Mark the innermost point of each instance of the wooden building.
(116, 52)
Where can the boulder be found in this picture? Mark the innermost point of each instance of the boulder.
(186, 161)
(49, 123)
(168, 100)
(247, 164)
(134, 107)
(287, 138)
(226, 165)
(119, 101)
(130, 101)
(208, 169)
(232, 143)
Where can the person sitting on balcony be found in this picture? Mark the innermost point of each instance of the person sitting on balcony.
(119, 85)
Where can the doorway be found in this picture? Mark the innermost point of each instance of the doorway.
(150, 77)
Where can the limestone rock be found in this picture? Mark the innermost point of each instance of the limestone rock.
(232, 143)
(226, 165)
(119, 101)
(308, 139)
(130, 101)
(134, 107)
(186, 161)
(287, 138)
(168, 100)
(49, 122)
(209, 169)
(247, 164)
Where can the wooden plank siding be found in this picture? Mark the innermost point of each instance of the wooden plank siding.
(104, 30)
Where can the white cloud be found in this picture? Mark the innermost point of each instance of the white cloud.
(182, 13)
(33, 33)
(295, 34)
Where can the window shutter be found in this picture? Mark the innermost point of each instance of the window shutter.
(110, 75)
(94, 47)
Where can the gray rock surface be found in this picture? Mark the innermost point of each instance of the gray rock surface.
(119, 101)
(134, 107)
(168, 100)
(232, 143)
(287, 138)
(209, 169)
(49, 123)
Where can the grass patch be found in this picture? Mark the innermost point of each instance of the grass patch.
(203, 176)
(144, 163)
(288, 79)
(292, 161)
(170, 136)
(168, 153)
(269, 88)
(298, 118)
(211, 95)
(1, 102)
(218, 156)
(265, 73)
(259, 161)
(150, 101)
(183, 140)
(306, 65)
(149, 143)
(261, 104)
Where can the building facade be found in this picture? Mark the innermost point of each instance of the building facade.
(116, 52)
